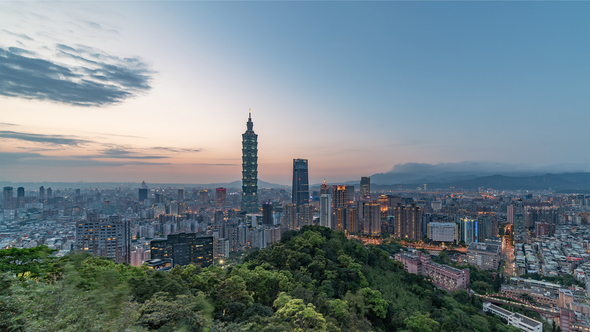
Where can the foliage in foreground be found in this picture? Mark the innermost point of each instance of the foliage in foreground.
(313, 280)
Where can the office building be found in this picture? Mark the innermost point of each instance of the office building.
(326, 210)
(180, 194)
(267, 217)
(42, 192)
(20, 192)
(49, 193)
(220, 197)
(109, 238)
(365, 188)
(249, 169)
(184, 249)
(443, 232)
(8, 197)
(468, 230)
(142, 194)
(300, 190)
(408, 222)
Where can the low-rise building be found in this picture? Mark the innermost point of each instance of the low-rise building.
(444, 276)
(519, 321)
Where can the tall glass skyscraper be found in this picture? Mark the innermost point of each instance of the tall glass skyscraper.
(250, 169)
(300, 191)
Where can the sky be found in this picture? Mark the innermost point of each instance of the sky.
(160, 91)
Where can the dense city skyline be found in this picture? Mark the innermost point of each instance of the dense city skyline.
(159, 91)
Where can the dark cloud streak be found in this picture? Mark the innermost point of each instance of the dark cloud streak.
(39, 138)
(97, 80)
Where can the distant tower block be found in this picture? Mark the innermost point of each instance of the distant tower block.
(250, 168)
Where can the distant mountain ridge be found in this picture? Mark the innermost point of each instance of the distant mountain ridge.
(83, 185)
(566, 182)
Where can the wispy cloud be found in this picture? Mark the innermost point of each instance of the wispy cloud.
(205, 164)
(40, 138)
(8, 124)
(20, 35)
(93, 78)
(175, 149)
(36, 159)
(119, 153)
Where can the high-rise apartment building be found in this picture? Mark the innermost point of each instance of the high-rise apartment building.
(110, 238)
(324, 189)
(305, 215)
(339, 218)
(408, 222)
(352, 220)
(510, 214)
(290, 217)
(267, 218)
(220, 197)
(8, 197)
(20, 192)
(300, 192)
(365, 188)
(339, 196)
(49, 193)
(203, 196)
(180, 194)
(350, 194)
(326, 210)
(42, 192)
(249, 168)
(184, 249)
(372, 219)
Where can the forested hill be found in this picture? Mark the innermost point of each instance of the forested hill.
(313, 280)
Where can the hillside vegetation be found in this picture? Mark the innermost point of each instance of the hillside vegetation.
(313, 280)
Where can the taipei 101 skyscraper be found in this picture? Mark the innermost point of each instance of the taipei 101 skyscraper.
(250, 169)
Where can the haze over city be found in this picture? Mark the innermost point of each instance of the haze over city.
(160, 91)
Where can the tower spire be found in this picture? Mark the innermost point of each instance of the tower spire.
(249, 113)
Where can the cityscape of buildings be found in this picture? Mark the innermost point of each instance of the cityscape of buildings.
(513, 232)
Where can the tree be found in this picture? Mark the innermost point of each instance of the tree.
(420, 322)
(25, 262)
(482, 287)
(184, 311)
(301, 316)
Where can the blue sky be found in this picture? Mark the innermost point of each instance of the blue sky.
(355, 87)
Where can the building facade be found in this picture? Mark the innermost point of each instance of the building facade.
(408, 222)
(109, 238)
(486, 256)
(443, 232)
